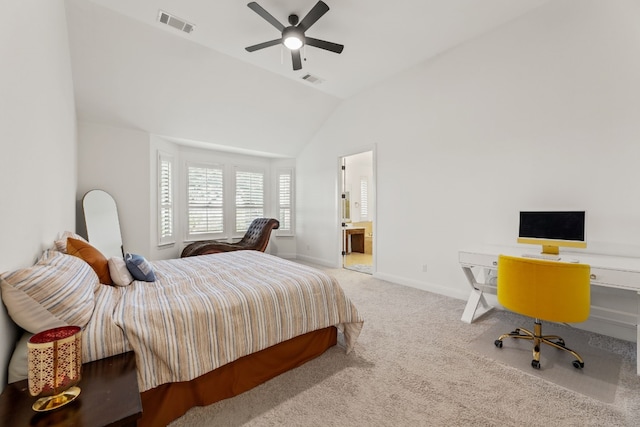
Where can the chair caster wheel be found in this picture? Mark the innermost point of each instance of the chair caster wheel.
(536, 363)
(578, 364)
(498, 343)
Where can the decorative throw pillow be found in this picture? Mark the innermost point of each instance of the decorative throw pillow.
(140, 268)
(60, 244)
(57, 291)
(119, 272)
(91, 256)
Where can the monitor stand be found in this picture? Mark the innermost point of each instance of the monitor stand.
(550, 250)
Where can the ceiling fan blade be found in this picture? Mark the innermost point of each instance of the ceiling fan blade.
(333, 47)
(297, 62)
(265, 15)
(314, 14)
(263, 45)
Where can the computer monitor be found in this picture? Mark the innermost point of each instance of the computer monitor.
(553, 229)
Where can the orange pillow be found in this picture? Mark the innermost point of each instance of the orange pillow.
(91, 256)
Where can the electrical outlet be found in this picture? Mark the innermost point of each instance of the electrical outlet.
(424, 268)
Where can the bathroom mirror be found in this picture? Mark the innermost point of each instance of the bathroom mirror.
(103, 226)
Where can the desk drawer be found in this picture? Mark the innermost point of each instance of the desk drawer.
(473, 259)
(616, 278)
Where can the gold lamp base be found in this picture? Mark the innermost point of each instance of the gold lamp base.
(50, 403)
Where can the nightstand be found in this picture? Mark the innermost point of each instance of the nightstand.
(109, 397)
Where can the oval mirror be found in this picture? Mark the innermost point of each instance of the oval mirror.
(103, 226)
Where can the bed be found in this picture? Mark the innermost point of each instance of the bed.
(207, 328)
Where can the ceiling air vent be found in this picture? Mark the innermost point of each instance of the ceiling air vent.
(312, 79)
(175, 22)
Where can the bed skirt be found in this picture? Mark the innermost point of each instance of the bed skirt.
(167, 402)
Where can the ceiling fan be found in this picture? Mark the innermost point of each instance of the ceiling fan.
(293, 36)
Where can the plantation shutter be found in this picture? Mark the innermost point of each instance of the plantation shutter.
(285, 195)
(364, 199)
(249, 198)
(205, 200)
(165, 200)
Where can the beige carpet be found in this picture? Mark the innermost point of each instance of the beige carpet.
(416, 364)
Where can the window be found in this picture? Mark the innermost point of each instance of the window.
(165, 199)
(364, 199)
(225, 196)
(205, 205)
(285, 201)
(249, 198)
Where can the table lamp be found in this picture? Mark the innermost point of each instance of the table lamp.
(55, 363)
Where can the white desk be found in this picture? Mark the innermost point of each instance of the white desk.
(606, 271)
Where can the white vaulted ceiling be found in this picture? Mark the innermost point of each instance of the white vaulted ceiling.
(131, 71)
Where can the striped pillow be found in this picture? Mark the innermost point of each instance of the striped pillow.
(57, 291)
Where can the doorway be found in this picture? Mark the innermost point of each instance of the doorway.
(357, 203)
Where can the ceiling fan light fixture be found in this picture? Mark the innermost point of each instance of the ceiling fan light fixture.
(292, 38)
(293, 43)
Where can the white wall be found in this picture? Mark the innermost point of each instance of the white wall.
(37, 138)
(116, 160)
(539, 114)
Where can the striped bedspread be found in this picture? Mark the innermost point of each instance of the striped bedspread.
(102, 337)
(205, 311)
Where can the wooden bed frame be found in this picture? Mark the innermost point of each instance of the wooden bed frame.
(167, 402)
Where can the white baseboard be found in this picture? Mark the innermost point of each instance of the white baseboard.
(318, 261)
(285, 255)
(425, 286)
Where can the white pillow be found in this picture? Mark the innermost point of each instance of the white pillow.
(61, 243)
(18, 365)
(119, 272)
(57, 291)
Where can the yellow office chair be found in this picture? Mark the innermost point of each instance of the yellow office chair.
(545, 290)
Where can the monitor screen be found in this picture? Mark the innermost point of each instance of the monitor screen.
(553, 229)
